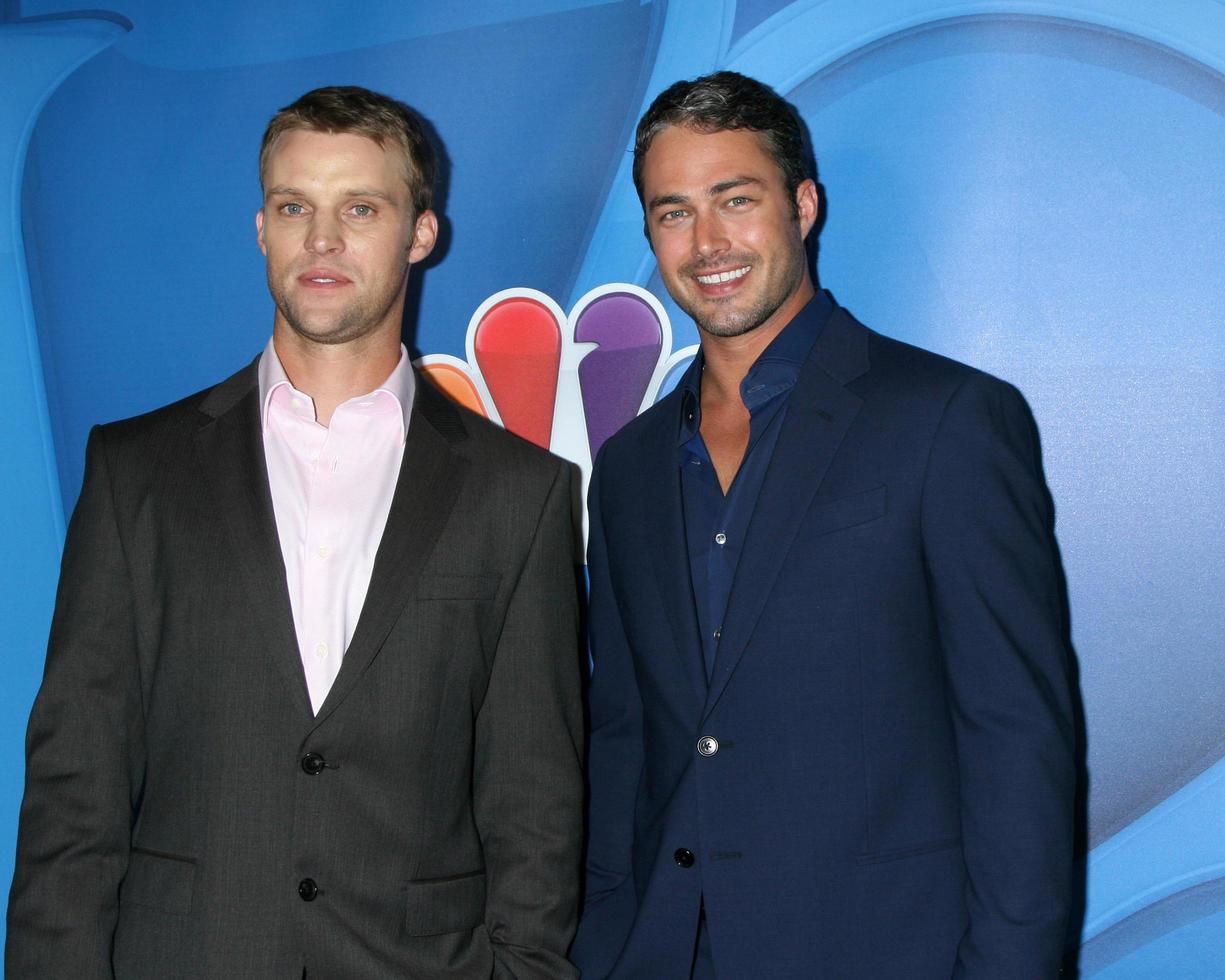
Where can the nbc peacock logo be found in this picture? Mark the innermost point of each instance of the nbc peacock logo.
(564, 381)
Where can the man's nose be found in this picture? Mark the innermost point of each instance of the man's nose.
(324, 236)
(709, 236)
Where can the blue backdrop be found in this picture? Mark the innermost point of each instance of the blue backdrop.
(1033, 187)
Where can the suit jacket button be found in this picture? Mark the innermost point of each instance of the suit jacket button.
(312, 763)
(707, 745)
(683, 857)
(307, 889)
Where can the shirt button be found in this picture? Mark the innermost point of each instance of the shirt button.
(308, 890)
(321, 650)
(682, 856)
(720, 538)
(708, 746)
(313, 764)
(718, 633)
(323, 551)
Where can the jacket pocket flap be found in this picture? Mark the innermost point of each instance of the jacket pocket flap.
(848, 511)
(901, 853)
(454, 904)
(158, 881)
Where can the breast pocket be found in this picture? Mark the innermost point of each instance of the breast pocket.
(437, 905)
(852, 510)
(158, 881)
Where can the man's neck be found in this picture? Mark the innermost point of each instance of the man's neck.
(331, 374)
(728, 359)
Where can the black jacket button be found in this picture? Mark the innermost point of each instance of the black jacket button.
(683, 857)
(313, 764)
(307, 889)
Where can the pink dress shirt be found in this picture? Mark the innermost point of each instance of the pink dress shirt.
(331, 491)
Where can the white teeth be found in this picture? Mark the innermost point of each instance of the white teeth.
(323, 280)
(724, 276)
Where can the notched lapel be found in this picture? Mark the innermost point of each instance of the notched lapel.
(664, 546)
(231, 451)
(431, 476)
(819, 413)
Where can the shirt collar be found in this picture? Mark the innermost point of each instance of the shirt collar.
(774, 372)
(400, 384)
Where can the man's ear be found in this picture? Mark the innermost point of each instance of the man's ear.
(425, 234)
(807, 205)
(259, 230)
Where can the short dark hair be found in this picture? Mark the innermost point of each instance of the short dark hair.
(729, 100)
(351, 109)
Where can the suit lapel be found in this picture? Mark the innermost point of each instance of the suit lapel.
(231, 451)
(819, 413)
(663, 526)
(431, 476)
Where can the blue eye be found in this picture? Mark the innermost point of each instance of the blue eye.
(291, 209)
(363, 210)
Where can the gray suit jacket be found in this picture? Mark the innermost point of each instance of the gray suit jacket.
(185, 814)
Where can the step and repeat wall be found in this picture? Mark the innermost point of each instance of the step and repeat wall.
(1033, 187)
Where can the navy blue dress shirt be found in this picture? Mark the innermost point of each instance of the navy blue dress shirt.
(715, 524)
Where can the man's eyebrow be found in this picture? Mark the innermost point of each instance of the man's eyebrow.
(663, 199)
(286, 191)
(713, 191)
(369, 192)
(726, 185)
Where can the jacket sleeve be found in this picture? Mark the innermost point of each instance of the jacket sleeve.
(527, 771)
(614, 764)
(994, 572)
(84, 755)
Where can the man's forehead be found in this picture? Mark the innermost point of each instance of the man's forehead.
(702, 159)
(303, 155)
(318, 142)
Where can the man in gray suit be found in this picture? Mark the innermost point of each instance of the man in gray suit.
(311, 702)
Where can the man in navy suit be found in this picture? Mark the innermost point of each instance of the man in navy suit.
(831, 723)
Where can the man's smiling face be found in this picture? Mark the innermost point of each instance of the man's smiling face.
(728, 238)
(339, 234)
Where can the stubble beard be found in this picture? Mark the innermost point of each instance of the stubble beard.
(353, 322)
(733, 322)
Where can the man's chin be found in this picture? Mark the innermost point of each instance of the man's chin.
(326, 332)
(728, 324)
(718, 317)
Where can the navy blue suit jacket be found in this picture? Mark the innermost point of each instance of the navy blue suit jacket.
(892, 791)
